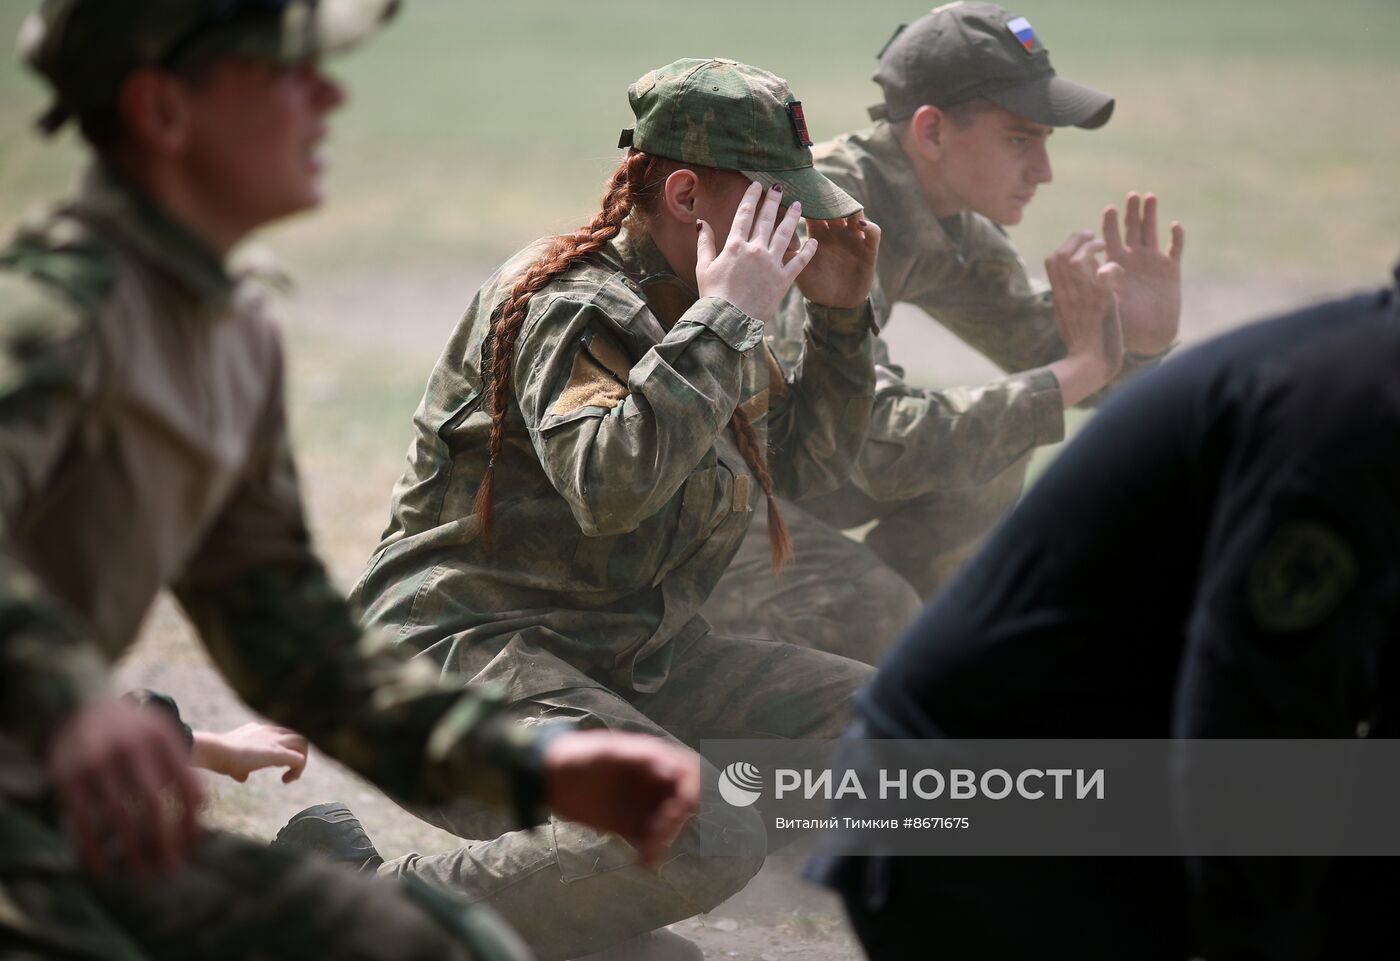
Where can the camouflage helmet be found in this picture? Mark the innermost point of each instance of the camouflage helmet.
(723, 114)
(85, 48)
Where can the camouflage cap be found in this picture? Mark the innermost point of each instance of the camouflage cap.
(85, 48)
(965, 50)
(718, 113)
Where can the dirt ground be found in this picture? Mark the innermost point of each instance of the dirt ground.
(352, 428)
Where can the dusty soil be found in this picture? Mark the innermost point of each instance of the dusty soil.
(347, 324)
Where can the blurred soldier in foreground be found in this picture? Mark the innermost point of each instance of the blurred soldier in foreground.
(143, 444)
(1216, 556)
(601, 428)
(957, 152)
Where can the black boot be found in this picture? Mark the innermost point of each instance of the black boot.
(331, 831)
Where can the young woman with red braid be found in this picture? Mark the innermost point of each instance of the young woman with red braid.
(590, 450)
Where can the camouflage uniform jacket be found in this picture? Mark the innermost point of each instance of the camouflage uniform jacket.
(143, 444)
(620, 494)
(964, 273)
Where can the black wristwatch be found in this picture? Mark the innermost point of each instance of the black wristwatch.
(529, 792)
(166, 703)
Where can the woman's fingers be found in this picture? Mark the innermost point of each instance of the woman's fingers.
(742, 227)
(786, 229)
(800, 260)
(871, 232)
(704, 245)
(767, 216)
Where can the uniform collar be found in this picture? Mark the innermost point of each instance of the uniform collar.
(890, 183)
(641, 260)
(639, 257)
(109, 199)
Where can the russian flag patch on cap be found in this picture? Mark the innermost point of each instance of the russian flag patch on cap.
(1021, 27)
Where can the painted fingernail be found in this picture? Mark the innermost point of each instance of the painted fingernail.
(777, 188)
(699, 226)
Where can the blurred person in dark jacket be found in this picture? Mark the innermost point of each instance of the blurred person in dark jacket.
(1215, 556)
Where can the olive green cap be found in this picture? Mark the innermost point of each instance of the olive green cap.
(85, 48)
(965, 50)
(723, 114)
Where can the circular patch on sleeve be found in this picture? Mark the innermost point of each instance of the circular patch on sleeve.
(1299, 578)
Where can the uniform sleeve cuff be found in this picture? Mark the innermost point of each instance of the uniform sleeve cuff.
(51, 680)
(1133, 365)
(1047, 408)
(844, 328)
(727, 322)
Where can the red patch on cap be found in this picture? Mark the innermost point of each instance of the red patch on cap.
(799, 123)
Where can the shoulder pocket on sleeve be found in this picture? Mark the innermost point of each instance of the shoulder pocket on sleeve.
(598, 380)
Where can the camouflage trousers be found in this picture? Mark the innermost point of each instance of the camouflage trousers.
(570, 891)
(233, 900)
(848, 597)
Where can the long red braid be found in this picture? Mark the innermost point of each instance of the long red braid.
(635, 182)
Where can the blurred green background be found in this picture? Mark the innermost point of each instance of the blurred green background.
(1269, 126)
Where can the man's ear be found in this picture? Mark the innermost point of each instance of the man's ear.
(928, 128)
(155, 110)
(679, 196)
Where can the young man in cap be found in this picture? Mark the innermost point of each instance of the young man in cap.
(958, 150)
(143, 444)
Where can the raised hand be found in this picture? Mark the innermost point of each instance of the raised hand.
(1149, 293)
(126, 787)
(1086, 315)
(753, 270)
(250, 748)
(640, 787)
(843, 269)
